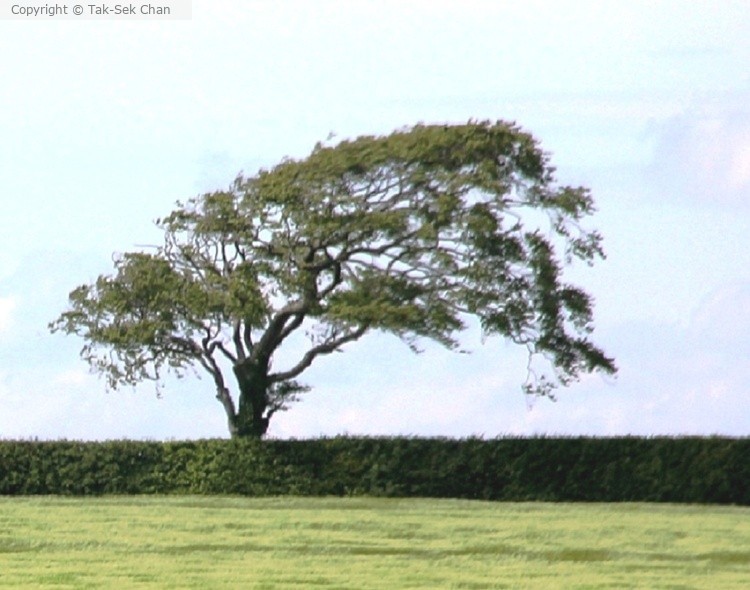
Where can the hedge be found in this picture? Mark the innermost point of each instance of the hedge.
(627, 469)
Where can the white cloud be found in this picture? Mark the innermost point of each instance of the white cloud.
(7, 305)
(74, 377)
(704, 152)
(719, 389)
(722, 321)
(688, 378)
(75, 405)
(739, 164)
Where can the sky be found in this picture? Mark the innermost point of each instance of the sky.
(105, 124)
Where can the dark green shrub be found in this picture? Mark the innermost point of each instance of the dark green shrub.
(701, 470)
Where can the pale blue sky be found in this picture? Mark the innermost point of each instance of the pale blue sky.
(104, 125)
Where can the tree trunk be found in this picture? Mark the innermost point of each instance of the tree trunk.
(251, 420)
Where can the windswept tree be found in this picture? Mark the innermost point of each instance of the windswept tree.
(413, 233)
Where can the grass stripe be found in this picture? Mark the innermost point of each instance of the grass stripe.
(228, 542)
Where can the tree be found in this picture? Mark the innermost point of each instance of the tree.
(413, 233)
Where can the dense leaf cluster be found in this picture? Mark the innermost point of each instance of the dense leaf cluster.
(699, 470)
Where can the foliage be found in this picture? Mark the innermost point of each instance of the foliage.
(697, 470)
(414, 234)
(209, 542)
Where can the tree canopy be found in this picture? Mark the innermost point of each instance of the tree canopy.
(413, 233)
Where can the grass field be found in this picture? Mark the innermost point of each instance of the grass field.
(359, 543)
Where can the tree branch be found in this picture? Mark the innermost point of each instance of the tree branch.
(207, 361)
(335, 282)
(237, 338)
(324, 348)
(222, 393)
(271, 337)
(247, 336)
(224, 351)
(295, 323)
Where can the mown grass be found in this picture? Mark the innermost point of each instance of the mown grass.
(360, 543)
